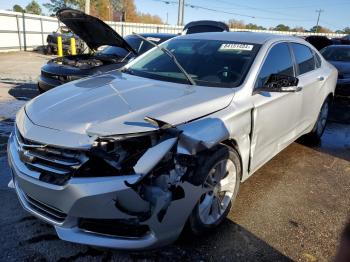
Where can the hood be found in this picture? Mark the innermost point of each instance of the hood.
(117, 103)
(91, 30)
(342, 67)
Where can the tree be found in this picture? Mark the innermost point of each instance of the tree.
(298, 29)
(117, 5)
(233, 23)
(282, 27)
(254, 27)
(54, 5)
(33, 8)
(320, 29)
(346, 30)
(18, 8)
(101, 9)
(148, 19)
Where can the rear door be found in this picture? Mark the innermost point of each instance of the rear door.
(275, 115)
(311, 80)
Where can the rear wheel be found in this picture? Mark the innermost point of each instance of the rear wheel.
(320, 125)
(220, 171)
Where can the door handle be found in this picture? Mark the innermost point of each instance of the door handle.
(320, 78)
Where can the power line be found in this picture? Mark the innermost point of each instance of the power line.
(260, 9)
(306, 6)
(230, 13)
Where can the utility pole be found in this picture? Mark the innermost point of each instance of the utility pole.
(87, 7)
(319, 11)
(87, 11)
(180, 14)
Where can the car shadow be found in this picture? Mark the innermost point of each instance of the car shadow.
(340, 110)
(24, 91)
(336, 137)
(230, 242)
(6, 127)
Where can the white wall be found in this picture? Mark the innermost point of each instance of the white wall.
(13, 36)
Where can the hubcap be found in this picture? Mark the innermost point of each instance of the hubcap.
(321, 124)
(221, 183)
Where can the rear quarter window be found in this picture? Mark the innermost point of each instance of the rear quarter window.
(318, 60)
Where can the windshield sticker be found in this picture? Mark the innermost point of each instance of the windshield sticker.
(238, 47)
(153, 39)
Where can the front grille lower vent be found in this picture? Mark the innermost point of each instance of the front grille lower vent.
(50, 212)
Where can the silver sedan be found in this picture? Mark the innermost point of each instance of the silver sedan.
(125, 159)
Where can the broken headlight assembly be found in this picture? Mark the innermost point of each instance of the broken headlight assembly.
(114, 156)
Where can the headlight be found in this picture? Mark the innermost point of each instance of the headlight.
(113, 156)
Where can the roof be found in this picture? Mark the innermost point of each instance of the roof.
(339, 46)
(245, 37)
(212, 23)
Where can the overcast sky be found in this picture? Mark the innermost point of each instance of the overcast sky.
(265, 12)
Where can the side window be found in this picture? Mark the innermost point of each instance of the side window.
(278, 61)
(304, 58)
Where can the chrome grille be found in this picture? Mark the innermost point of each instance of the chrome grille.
(55, 165)
(49, 75)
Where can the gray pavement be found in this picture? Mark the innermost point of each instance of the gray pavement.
(21, 66)
(294, 208)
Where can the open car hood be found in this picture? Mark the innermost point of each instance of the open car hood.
(93, 31)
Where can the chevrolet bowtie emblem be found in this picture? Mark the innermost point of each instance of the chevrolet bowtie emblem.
(26, 157)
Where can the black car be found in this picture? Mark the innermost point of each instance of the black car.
(319, 41)
(117, 51)
(339, 56)
(345, 40)
(66, 34)
(202, 26)
(141, 46)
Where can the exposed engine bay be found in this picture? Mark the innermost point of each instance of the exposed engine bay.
(166, 161)
(154, 158)
(87, 61)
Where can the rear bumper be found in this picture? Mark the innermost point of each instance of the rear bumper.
(95, 198)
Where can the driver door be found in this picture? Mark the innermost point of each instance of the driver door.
(275, 115)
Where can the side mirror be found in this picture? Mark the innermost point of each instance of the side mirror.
(280, 83)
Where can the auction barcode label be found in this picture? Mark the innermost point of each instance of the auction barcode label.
(243, 47)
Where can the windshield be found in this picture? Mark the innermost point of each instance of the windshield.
(208, 62)
(113, 51)
(141, 46)
(338, 53)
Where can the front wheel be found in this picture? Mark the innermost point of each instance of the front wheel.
(220, 170)
(320, 125)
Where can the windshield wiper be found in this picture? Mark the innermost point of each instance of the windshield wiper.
(171, 55)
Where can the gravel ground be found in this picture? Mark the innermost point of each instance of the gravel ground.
(294, 208)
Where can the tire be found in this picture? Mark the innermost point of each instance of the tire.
(315, 135)
(41, 91)
(49, 50)
(213, 206)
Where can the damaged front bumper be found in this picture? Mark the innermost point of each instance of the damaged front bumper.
(102, 211)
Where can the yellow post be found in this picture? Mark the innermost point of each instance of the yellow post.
(72, 46)
(59, 46)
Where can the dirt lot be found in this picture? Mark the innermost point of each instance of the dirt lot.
(292, 209)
